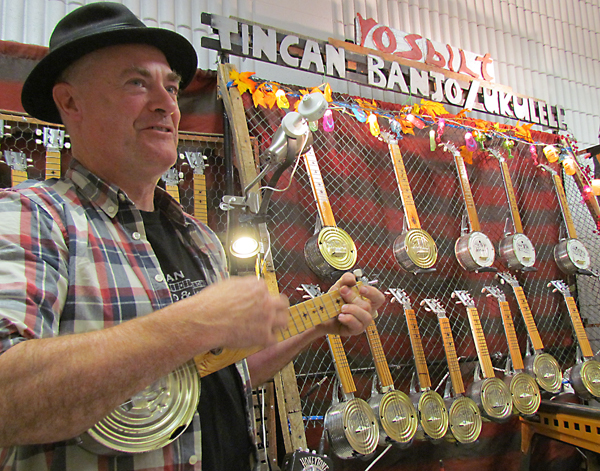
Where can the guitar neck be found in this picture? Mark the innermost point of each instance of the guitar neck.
(453, 366)
(408, 203)
(465, 187)
(417, 348)
(480, 343)
(318, 187)
(52, 163)
(582, 338)
(564, 207)
(200, 198)
(303, 316)
(510, 195)
(381, 364)
(511, 336)
(341, 364)
(532, 330)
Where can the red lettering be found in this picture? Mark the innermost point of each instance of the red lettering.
(434, 57)
(365, 27)
(415, 53)
(451, 59)
(378, 39)
(463, 66)
(485, 60)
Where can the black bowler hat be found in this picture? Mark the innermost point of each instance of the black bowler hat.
(87, 29)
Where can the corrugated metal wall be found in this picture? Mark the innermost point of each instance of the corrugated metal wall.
(548, 49)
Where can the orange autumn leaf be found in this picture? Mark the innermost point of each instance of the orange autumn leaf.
(524, 132)
(407, 126)
(461, 113)
(432, 108)
(366, 104)
(466, 154)
(243, 81)
(270, 99)
(258, 97)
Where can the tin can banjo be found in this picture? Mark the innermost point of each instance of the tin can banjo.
(490, 393)
(463, 414)
(431, 407)
(474, 250)
(540, 365)
(584, 376)
(516, 250)
(524, 389)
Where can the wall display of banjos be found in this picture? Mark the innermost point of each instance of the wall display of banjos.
(156, 416)
(414, 249)
(398, 419)
(491, 394)
(331, 249)
(542, 366)
(516, 250)
(431, 407)
(463, 413)
(524, 389)
(570, 254)
(474, 250)
(584, 376)
(351, 424)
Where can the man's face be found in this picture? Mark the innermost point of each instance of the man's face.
(129, 113)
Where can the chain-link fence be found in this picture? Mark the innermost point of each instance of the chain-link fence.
(359, 178)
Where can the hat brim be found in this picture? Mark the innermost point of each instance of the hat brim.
(36, 95)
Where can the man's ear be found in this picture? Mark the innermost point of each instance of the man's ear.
(66, 101)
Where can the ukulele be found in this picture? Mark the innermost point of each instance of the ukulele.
(491, 394)
(17, 162)
(570, 254)
(331, 249)
(585, 374)
(474, 250)
(157, 415)
(516, 250)
(463, 413)
(351, 424)
(414, 248)
(431, 408)
(542, 366)
(525, 391)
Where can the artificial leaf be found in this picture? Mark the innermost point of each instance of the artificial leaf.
(524, 132)
(407, 127)
(258, 97)
(242, 81)
(432, 108)
(466, 154)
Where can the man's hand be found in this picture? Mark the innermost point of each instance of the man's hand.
(359, 310)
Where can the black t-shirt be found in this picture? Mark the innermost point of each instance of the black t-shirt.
(226, 442)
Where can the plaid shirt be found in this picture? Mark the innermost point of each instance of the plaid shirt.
(75, 258)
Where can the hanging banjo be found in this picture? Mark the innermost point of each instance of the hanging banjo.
(463, 414)
(414, 249)
(156, 416)
(351, 424)
(491, 394)
(516, 250)
(331, 249)
(433, 414)
(542, 366)
(474, 250)
(570, 254)
(525, 391)
(585, 374)
(398, 419)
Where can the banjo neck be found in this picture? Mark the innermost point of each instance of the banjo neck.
(54, 141)
(578, 328)
(465, 187)
(562, 201)
(303, 316)
(318, 187)
(510, 192)
(381, 365)
(408, 203)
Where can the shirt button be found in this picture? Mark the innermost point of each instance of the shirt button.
(193, 459)
(136, 235)
(110, 209)
(159, 278)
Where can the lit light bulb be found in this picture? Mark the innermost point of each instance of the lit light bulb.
(282, 101)
(328, 121)
(551, 153)
(470, 142)
(374, 125)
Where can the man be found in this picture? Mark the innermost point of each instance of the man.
(86, 317)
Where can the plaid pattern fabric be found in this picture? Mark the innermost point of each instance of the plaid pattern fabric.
(75, 259)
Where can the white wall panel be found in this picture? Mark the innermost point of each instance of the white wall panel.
(549, 49)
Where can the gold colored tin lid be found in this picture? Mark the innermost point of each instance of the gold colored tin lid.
(337, 248)
(496, 399)
(525, 393)
(590, 376)
(398, 416)
(465, 420)
(420, 248)
(547, 372)
(433, 414)
(360, 426)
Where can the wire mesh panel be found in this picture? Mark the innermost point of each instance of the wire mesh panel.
(359, 177)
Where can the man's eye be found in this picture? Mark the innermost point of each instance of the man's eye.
(173, 90)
